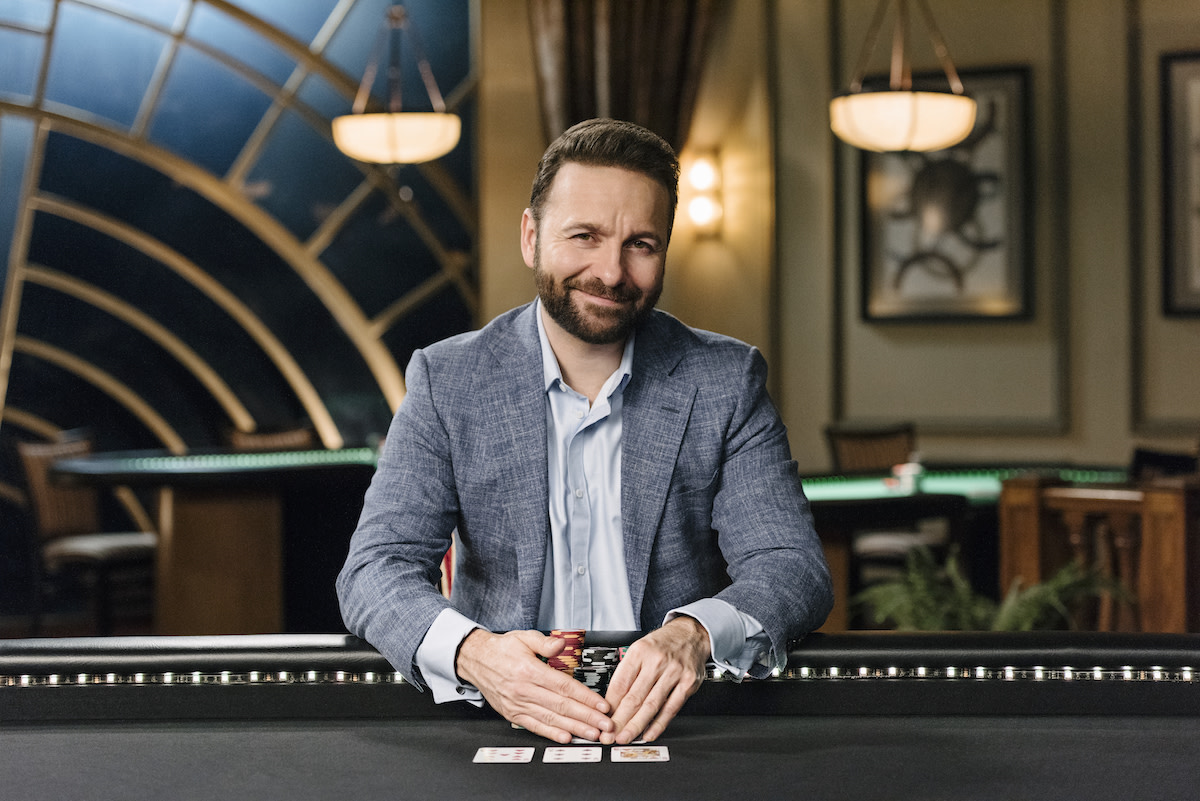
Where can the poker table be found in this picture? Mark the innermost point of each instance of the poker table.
(252, 542)
(966, 495)
(1063, 715)
(980, 485)
(249, 543)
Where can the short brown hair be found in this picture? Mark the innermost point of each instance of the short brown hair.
(609, 143)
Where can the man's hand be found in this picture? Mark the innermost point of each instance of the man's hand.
(659, 672)
(527, 691)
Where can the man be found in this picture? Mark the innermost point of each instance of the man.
(604, 467)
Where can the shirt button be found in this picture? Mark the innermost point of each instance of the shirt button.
(578, 493)
(581, 570)
(579, 414)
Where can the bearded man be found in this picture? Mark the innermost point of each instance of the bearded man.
(600, 465)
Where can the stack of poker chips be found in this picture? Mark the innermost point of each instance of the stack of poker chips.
(596, 666)
(569, 659)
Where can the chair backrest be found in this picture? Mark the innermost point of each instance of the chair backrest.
(859, 449)
(1140, 535)
(296, 439)
(58, 510)
(1148, 464)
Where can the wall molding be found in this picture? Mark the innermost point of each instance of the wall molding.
(1051, 248)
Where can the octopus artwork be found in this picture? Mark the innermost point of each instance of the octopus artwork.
(943, 202)
(944, 232)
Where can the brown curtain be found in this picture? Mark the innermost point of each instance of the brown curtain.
(636, 60)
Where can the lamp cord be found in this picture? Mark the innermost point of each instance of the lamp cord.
(901, 73)
(394, 26)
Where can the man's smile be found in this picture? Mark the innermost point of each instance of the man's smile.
(603, 295)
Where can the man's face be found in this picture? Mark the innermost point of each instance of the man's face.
(599, 251)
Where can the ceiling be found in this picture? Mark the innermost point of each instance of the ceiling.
(187, 253)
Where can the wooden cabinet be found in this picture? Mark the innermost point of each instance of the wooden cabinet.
(1144, 535)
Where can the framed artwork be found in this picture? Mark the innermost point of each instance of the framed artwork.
(1181, 183)
(945, 234)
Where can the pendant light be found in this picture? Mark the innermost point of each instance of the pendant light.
(900, 118)
(396, 136)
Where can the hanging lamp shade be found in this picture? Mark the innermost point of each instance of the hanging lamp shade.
(397, 136)
(900, 117)
(898, 120)
(407, 137)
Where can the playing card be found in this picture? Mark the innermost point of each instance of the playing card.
(504, 755)
(568, 754)
(640, 753)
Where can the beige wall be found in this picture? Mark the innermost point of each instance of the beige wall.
(510, 144)
(1168, 352)
(968, 384)
(723, 283)
(1067, 384)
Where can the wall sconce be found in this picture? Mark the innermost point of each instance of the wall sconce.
(705, 208)
(396, 137)
(899, 118)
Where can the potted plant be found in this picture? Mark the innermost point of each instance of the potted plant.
(933, 596)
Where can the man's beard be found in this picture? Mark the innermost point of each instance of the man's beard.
(603, 325)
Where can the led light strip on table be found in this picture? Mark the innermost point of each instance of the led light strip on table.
(1125, 673)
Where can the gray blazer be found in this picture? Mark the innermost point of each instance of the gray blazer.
(711, 502)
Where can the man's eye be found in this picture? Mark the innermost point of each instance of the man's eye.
(641, 244)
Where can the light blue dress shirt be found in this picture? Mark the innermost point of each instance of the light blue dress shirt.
(585, 584)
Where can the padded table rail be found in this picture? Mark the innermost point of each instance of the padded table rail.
(319, 676)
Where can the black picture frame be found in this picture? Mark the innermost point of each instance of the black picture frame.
(1180, 89)
(946, 234)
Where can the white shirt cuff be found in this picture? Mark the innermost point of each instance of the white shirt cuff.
(435, 658)
(736, 639)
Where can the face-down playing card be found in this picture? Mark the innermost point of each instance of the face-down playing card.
(562, 753)
(498, 755)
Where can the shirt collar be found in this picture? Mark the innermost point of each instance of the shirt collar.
(552, 374)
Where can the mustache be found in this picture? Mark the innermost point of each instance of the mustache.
(594, 286)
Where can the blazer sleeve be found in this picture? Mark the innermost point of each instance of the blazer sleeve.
(388, 587)
(765, 529)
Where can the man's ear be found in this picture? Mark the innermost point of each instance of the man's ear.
(528, 237)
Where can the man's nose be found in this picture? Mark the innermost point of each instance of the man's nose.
(609, 265)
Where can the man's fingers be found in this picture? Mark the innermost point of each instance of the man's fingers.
(525, 690)
(621, 681)
(655, 709)
(659, 673)
(668, 712)
(558, 719)
(636, 704)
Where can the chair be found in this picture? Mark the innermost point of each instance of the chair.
(883, 531)
(1142, 535)
(66, 524)
(1147, 464)
(292, 439)
(868, 540)
(856, 449)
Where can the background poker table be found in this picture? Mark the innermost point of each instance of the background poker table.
(953, 716)
(249, 542)
(980, 485)
(967, 495)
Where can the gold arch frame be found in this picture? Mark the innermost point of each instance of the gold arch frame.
(227, 194)
(106, 383)
(156, 332)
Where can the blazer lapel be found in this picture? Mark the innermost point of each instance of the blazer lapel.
(523, 430)
(655, 412)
